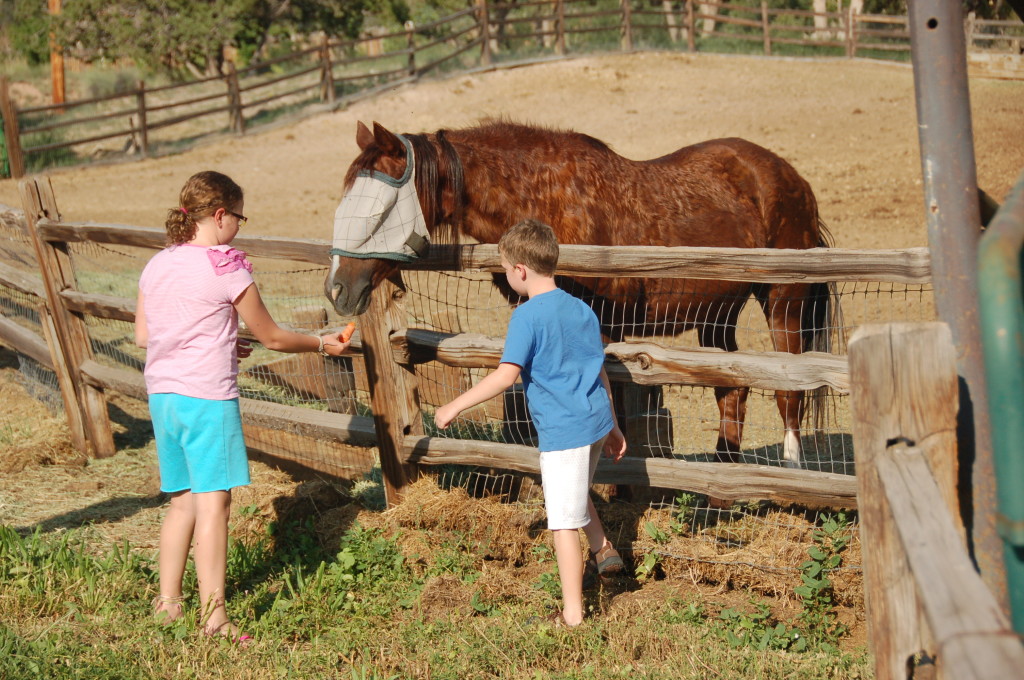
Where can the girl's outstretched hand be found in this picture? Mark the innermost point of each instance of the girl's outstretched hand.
(335, 345)
(615, 445)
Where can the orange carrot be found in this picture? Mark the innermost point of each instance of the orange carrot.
(346, 333)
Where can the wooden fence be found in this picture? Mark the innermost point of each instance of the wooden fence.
(138, 122)
(391, 351)
(901, 377)
(929, 613)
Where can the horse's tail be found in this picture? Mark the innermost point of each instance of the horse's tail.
(821, 327)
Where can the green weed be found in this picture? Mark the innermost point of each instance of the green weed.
(815, 592)
(648, 567)
(758, 630)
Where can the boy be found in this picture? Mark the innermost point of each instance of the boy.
(554, 344)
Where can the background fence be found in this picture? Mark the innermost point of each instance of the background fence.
(147, 120)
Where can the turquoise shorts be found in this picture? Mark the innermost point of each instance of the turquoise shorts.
(199, 443)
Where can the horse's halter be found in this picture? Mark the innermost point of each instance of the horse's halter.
(380, 216)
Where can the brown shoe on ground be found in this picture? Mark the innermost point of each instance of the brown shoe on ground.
(608, 560)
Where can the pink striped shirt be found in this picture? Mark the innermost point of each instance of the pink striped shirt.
(188, 295)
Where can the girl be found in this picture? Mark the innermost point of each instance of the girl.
(190, 297)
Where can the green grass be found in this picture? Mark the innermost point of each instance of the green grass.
(356, 609)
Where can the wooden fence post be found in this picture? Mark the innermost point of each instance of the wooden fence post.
(410, 43)
(560, 27)
(69, 396)
(903, 390)
(327, 73)
(766, 29)
(851, 32)
(691, 41)
(11, 136)
(484, 22)
(393, 389)
(69, 329)
(626, 41)
(235, 113)
(143, 129)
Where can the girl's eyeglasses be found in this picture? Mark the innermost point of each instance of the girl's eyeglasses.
(242, 219)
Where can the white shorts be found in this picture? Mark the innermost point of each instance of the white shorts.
(566, 477)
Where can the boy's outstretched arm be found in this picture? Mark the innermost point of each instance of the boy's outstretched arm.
(615, 444)
(502, 378)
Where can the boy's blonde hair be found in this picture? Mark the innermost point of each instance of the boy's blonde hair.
(532, 243)
(202, 195)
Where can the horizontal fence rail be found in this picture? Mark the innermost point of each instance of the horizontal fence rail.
(336, 72)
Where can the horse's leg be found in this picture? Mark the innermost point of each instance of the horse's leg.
(783, 308)
(719, 330)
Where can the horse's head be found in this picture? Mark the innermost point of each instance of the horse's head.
(379, 223)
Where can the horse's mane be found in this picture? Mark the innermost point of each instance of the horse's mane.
(439, 167)
(507, 132)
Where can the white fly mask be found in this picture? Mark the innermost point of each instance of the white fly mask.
(380, 216)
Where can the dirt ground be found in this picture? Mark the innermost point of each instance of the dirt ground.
(849, 127)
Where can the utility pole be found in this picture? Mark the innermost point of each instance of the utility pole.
(56, 58)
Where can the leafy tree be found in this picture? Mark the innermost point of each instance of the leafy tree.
(164, 35)
(179, 36)
(24, 25)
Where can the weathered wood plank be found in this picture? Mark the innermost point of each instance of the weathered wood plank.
(732, 480)
(956, 603)
(297, 453)
(902, 388)
(343, 428)
(100, 305)
(21, 281)
(277, 247)
(13, 218)
(123, 309)
(86, 409)
(646, 363)
(396, 409)
(767, 265)
(25, 341)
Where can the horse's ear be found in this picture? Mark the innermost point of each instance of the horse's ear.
(387, 140)
(364, 137)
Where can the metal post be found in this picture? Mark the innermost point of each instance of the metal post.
(953, 220)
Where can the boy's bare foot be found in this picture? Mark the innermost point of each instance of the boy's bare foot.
(168, 608)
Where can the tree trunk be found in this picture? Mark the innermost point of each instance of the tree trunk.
(709, 24)
(820, 21)
(674, 32)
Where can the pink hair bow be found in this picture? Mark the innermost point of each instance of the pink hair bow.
(225, 262)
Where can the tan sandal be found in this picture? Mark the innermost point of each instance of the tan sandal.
(168, 608)
(608, 560)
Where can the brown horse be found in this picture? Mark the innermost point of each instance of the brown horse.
(404, 189)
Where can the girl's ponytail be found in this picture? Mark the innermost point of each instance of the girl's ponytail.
(181, 228)
(202, 195)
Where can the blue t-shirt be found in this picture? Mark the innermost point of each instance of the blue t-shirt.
(556, 340)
